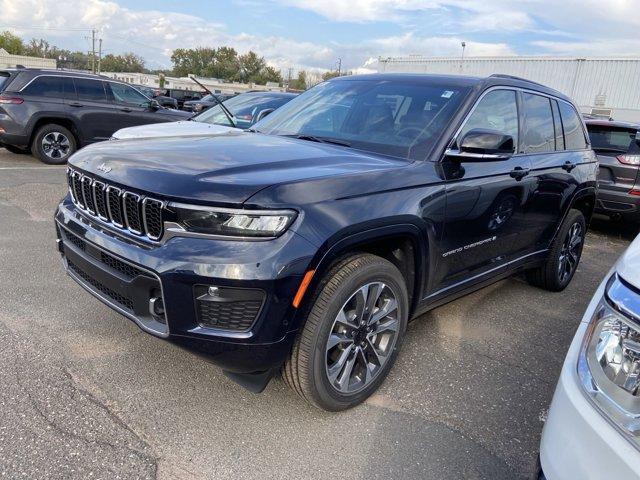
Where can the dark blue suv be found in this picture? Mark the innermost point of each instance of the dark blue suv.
(306, 244)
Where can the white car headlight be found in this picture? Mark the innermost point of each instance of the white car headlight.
(230, 222)
(609, 363)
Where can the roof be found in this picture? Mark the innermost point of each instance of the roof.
(612, 123)
(458, 81)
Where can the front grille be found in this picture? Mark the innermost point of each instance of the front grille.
(77, 241)
(128, 270)
(140, 215)
(115, 297)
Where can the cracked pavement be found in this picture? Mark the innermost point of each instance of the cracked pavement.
(85, 394)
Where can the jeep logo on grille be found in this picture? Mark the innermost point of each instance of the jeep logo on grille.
(103, 167)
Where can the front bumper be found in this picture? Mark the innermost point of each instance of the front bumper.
(578, 442)
(101, 260)
(611, 202)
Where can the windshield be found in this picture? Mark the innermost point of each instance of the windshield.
(612, 139)
(399, 118)
(244, 108)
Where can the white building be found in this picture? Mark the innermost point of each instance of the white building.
(185, 83)
(11, 61)
(603, 86)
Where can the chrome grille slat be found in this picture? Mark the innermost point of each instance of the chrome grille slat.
(140, 215)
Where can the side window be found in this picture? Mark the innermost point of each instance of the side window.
(54, 87)
(90, 90)
(496, 111)
(538, 133)
(125, 94)
(574, 138)
(557, 125)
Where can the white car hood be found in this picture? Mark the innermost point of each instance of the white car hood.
(628, 267)
(174, 129)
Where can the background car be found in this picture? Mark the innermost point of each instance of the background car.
(242, 112)
(52, 113)
(205, 102)
(617, 145)
(592, 427)
(164, 101)
(180, 96)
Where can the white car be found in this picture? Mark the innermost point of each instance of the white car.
(593, 427)
(185, 128)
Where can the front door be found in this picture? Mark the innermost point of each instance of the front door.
(486, 225)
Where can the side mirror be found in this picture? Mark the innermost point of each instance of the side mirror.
(484, 145)
(154, 104)
(263, 113)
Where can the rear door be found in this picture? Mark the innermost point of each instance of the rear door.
(48, 96)
(618, 153)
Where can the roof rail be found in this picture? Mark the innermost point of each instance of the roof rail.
(514, 77)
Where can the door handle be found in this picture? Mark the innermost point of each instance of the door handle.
(568, 166)
(519, 173)
(125, 109)
(75, 104)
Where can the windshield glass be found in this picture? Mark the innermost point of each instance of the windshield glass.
(399, 118)
(244, 108)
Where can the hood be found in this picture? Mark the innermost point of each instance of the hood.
(226, 168)
(172, 129)
(628, 267)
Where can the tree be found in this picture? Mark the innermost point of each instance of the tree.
(249, 67)
(329, 75)
(127, 62)
(299, 83)
(193, 61)
(12, 43)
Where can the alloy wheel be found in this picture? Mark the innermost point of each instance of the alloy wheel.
(570, 252)
(362, 338)
(55, 145)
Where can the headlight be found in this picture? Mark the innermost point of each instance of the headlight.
(231, 222)
(609, 364)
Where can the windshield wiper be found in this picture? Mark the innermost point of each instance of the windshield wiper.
(313, 138)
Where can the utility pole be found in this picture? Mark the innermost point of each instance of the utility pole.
(339, 66)
(99, 55)
(290, 72)
(93, 51)
(464, 44)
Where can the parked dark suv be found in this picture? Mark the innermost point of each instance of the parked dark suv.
(52, 113)
(617, 145)
(307, 244)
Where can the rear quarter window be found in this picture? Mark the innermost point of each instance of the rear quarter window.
(574, 137)
(4, 78)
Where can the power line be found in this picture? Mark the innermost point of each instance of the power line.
(18, 27)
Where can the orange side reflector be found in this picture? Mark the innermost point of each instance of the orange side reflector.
(306, 280)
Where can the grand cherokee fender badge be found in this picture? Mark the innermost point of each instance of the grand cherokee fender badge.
(471, 245)
(103, 167)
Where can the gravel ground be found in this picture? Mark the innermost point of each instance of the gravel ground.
(85, 394)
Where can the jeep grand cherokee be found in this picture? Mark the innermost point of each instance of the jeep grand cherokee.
(306, 245)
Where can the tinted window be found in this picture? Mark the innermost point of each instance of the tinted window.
(4, 76)
(90, 90)
(53, 87)
(557, 125)
(605, 138)
(538, 134)
(369, 114)
(125, 94)
(498, 111)
(573, 133)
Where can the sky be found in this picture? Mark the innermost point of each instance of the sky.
(315, 34)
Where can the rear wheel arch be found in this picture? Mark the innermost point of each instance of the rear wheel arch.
(54, 120)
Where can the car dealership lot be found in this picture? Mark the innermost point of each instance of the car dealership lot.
(84, 391)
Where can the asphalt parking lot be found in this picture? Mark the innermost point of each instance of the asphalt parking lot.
(85, 394)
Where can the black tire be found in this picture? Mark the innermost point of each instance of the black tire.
(550, 275)
(59, 139)
(306, 370)
(16, 150)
